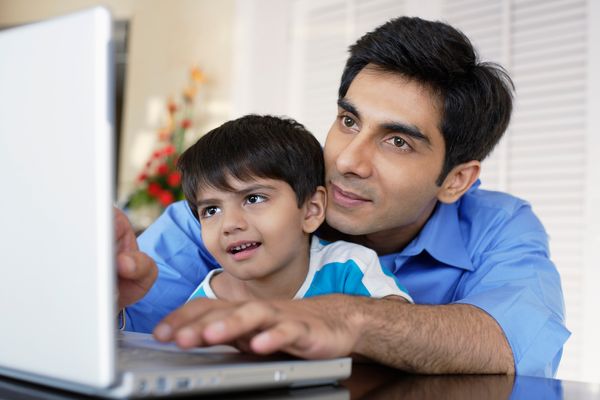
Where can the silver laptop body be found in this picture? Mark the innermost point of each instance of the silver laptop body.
(57, 278)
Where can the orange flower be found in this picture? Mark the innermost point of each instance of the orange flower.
(171, 106)
(189, 93)
(197, 75)
(186, 123)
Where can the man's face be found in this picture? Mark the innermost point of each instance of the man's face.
(383, 155)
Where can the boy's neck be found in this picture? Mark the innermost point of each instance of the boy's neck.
(283, 284)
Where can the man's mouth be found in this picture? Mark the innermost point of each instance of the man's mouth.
(345, 198)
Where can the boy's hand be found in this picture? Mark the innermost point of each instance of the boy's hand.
(321, 327)
(135, 270)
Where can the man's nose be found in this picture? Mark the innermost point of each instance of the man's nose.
(356, 156)
(233, 221)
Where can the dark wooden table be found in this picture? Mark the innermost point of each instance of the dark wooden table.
(373, 382)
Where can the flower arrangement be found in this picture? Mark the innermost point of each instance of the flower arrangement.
(159, 183)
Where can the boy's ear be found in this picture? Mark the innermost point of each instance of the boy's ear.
(315, 210)
(458, 181)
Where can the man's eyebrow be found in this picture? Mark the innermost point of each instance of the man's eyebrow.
(406, 129)
(348, 106)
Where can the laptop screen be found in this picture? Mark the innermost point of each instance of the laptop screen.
(57, 296)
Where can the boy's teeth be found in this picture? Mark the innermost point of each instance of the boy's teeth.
(244, 246)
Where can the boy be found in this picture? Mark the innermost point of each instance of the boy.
(256, 184)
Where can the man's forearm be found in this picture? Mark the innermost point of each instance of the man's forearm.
(431, 339)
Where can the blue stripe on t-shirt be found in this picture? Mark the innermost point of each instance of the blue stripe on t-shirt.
(198, 293)
(338, 277)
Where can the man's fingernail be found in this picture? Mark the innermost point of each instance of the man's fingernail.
(214, 330)
(186, 337)
(261, 340)
(163, 332)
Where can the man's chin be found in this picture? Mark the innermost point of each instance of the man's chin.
(345, 225)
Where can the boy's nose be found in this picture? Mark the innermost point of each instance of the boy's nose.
(233, 221)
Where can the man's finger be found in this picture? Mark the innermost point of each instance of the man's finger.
(124, 234)
(136, 266)
(241, 321)
(197, 313)
(285, 336)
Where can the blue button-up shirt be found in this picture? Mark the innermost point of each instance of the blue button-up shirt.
(488, 249)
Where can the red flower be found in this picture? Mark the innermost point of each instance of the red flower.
(170, 149)
(174, 179)
(154, 189)
(163, 169)
(186, 123)
(156, 154)
(142, 177)
(166, 198)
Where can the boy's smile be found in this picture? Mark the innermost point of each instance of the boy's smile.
(258, 234)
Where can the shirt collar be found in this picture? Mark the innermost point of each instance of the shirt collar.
(442, 238)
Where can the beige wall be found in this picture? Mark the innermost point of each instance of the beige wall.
(166, 38)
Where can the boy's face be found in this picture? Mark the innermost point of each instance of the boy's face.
(256, 230)
(383, 155)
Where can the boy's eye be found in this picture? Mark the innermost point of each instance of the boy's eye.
(255, 198)
(208, 212)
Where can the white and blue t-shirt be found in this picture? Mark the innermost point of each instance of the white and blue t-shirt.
(336, 267)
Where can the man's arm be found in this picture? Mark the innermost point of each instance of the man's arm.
(456, 338)
(417, 338)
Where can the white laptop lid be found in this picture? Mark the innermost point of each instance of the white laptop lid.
(57, 300)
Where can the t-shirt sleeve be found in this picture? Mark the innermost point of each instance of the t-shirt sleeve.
(378, 282)
(174, 242)
(518, 285)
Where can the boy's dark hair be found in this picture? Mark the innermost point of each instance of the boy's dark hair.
(254, 146)
(475, 97)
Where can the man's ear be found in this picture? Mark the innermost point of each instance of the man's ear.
(458, 181)
(315, 210)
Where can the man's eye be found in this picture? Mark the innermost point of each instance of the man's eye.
(255, 198)
(347, 121)
(398, 142)
(208, 212)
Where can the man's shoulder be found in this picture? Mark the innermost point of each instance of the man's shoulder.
(486, 211)
(492, 201)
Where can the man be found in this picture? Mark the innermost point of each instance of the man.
(416, 115)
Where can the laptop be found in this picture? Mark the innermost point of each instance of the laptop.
(57, 274)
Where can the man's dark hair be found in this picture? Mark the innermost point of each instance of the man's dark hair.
(250, 147)
(475, 97)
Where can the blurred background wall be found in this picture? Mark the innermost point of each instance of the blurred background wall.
(285, 57)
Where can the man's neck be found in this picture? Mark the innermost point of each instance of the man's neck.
(382, 242)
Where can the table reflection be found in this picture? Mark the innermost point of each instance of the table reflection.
(371, 382)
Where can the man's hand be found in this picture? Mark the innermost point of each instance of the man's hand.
(320, 327)
(456, 338)
(136, 271)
